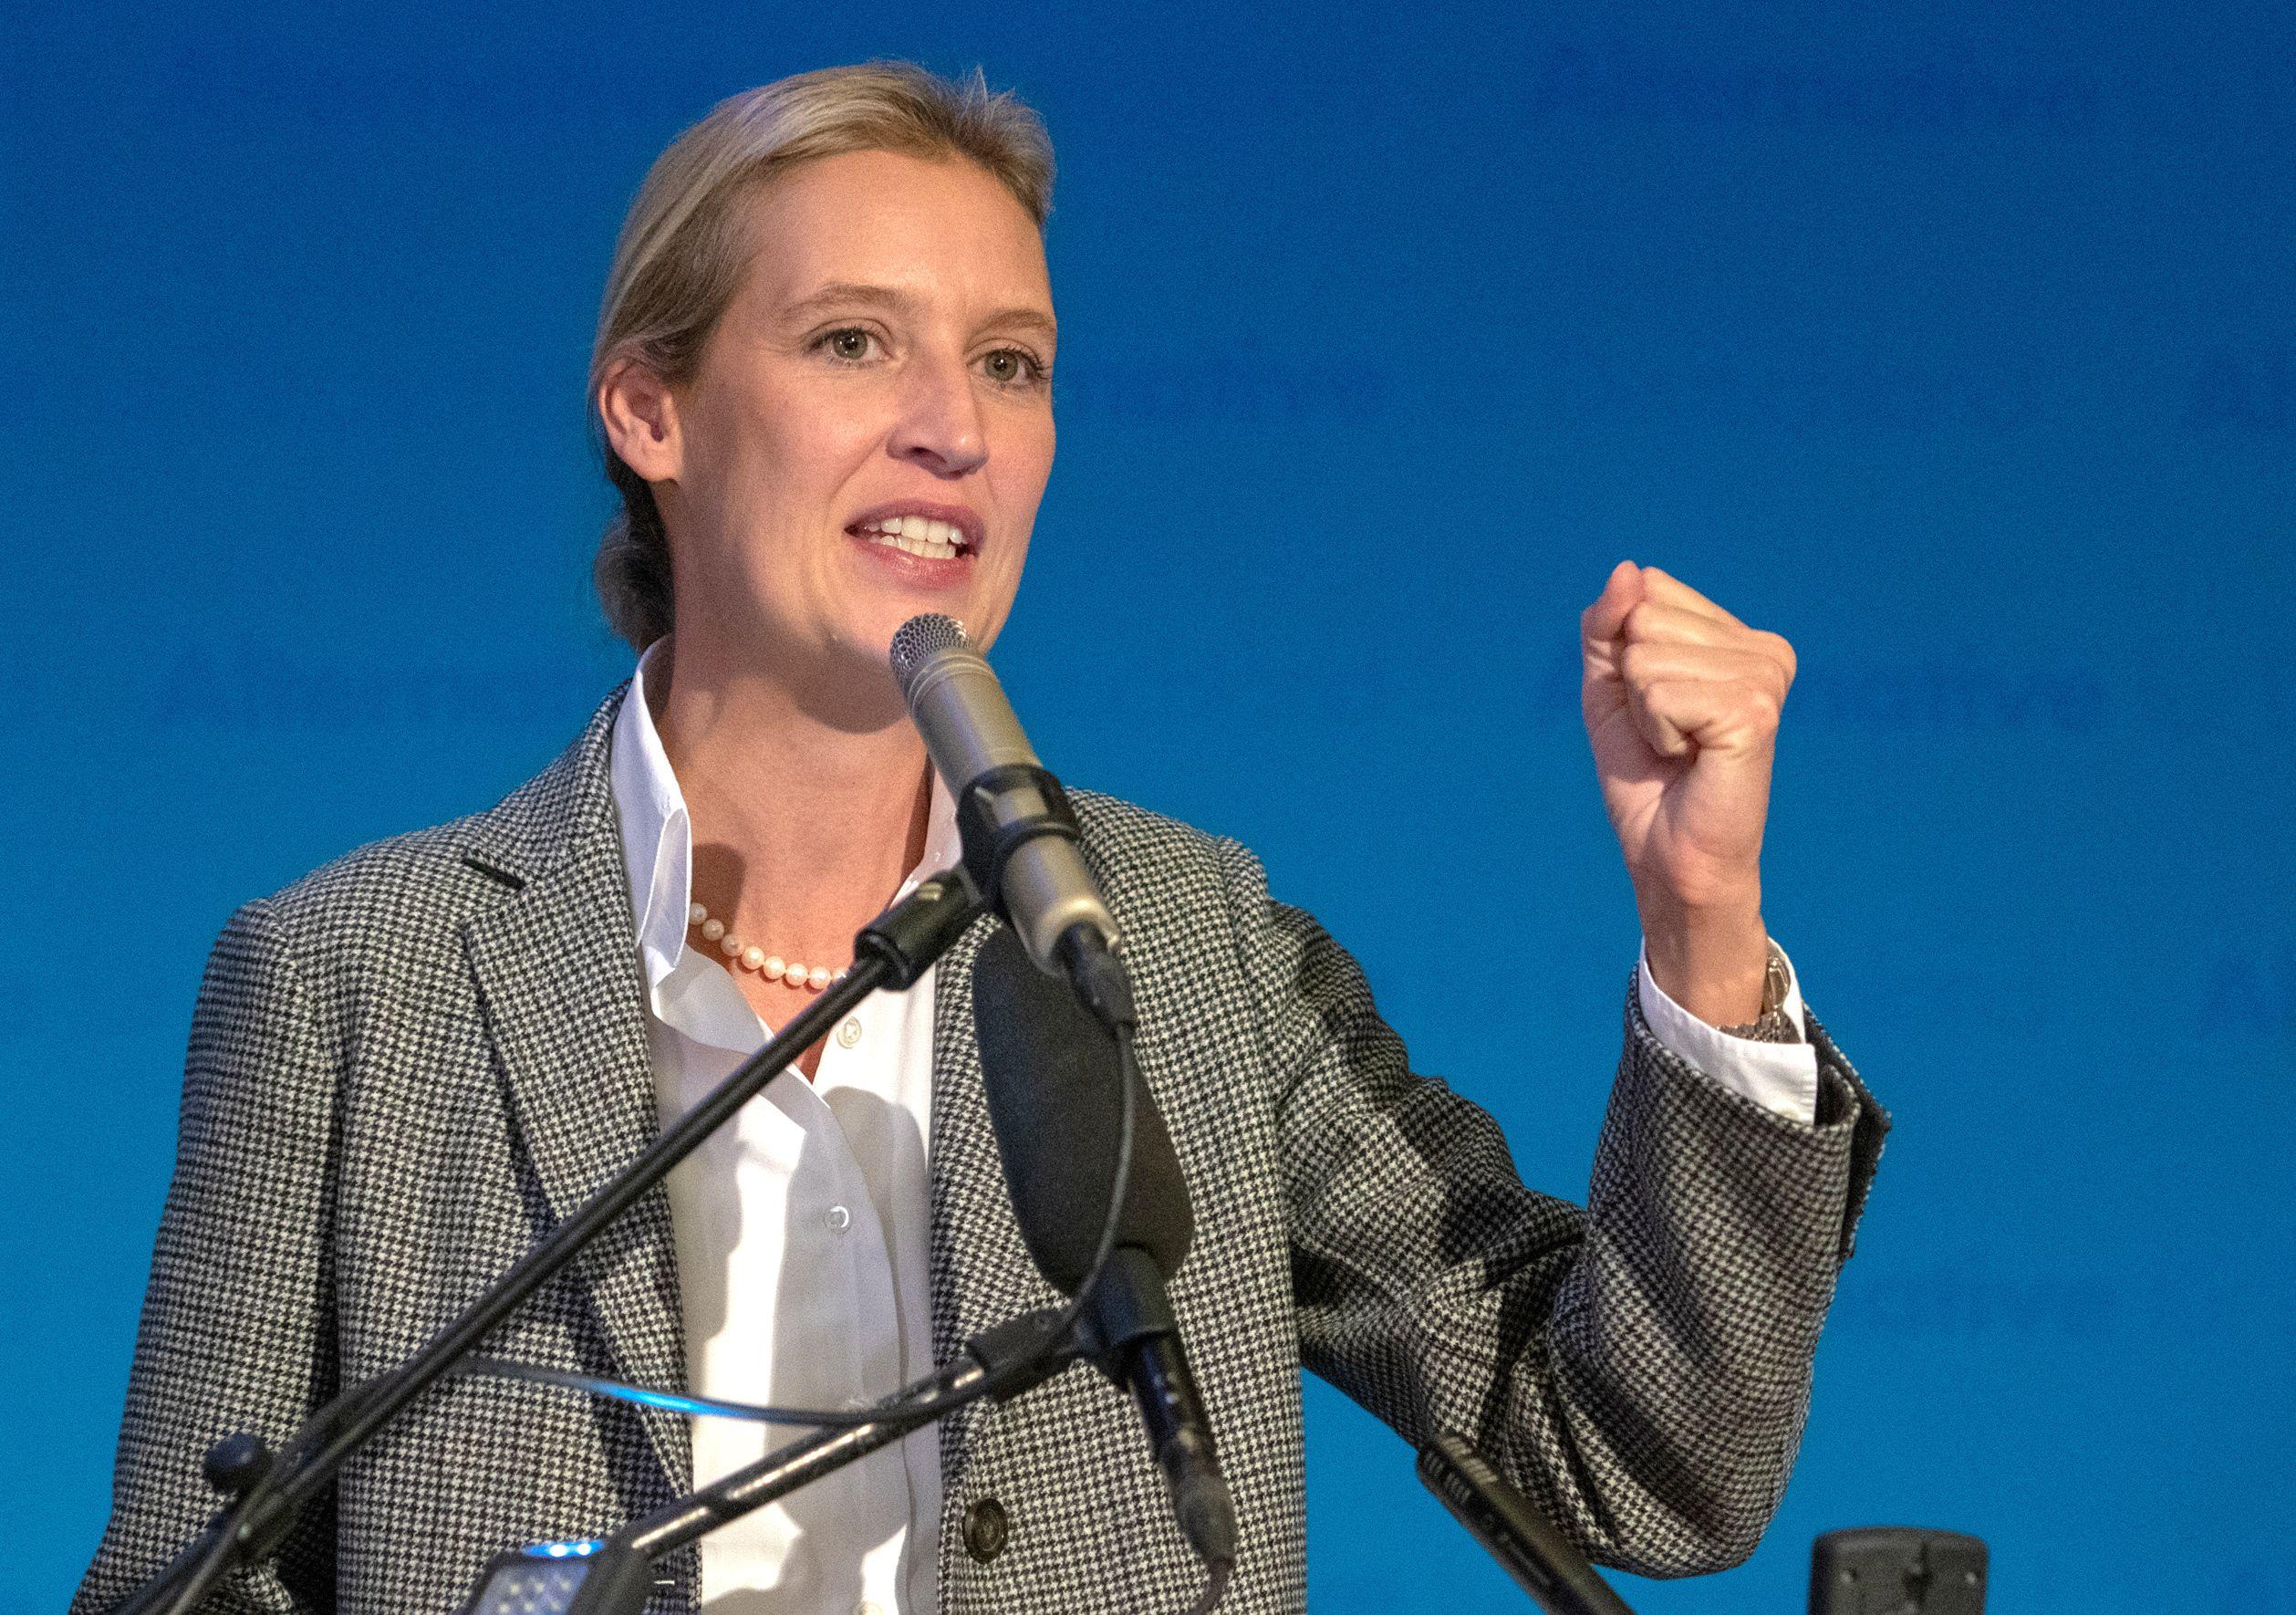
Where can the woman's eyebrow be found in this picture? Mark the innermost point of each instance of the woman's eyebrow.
(849, 293)
(843, 294)
(1028, 319)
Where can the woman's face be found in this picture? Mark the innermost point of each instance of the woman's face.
(871, 424)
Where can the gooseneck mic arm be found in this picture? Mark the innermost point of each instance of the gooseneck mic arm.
(893, 951)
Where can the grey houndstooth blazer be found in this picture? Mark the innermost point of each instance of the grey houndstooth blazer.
(406, 1065)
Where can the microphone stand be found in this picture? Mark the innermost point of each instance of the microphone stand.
(892, 951)
(1016, 1356)
(614, 1577)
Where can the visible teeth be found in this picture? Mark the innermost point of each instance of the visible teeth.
(919, 535)
(924, 547)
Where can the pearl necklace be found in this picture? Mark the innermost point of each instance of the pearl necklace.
(772, 966)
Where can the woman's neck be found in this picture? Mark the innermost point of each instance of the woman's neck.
(805, 815)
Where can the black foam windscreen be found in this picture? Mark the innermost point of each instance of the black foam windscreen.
(1052, 1073)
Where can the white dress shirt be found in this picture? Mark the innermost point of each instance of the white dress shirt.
(801, 1226)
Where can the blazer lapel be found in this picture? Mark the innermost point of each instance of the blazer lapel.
(559, 978)
(982, 1273)
(963, 1149)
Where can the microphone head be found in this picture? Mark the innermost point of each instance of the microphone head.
(1051, 1071)
(916, 641)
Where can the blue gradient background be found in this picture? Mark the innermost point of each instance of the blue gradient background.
(1953, 342)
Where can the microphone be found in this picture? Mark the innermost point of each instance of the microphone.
(1020, 834)
(1540, 1557)
(1052, 1072)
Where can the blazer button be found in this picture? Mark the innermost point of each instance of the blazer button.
(986, 1526)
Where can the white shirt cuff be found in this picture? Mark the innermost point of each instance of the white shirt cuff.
(1780, 1077)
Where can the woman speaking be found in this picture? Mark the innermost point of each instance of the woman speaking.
(823, 375)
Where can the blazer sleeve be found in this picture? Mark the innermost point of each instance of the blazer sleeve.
(234, 1333)
(1639, 1367)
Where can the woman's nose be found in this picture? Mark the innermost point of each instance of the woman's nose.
(941, 426)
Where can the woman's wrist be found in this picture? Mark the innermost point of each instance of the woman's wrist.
(1712, 961)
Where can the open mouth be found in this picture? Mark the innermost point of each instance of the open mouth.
(925, 536)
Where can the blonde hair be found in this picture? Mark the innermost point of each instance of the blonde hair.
(681, 250)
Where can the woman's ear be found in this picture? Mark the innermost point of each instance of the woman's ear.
(641, 416)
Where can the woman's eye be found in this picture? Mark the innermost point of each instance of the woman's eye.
(852, 344)
(1010, 367)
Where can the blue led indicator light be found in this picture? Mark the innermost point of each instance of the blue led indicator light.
(564, 1550)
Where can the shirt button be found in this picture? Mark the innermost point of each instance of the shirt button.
(849, 1034)
(838, 1218)
(869, 1606)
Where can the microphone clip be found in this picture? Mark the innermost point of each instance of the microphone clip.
(1001, 811)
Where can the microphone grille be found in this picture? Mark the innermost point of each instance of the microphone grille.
(916, 641)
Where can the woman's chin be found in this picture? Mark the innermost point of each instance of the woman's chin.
(899, 586)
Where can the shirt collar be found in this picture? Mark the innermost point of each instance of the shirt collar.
(657, 835)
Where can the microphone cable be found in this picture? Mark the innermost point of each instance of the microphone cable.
(1120, 1183)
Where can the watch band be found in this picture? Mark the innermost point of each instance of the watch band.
(1775, 1025)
